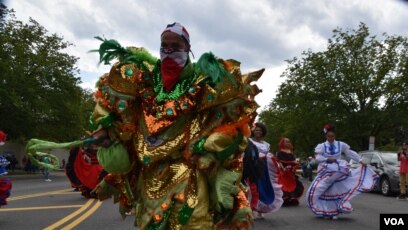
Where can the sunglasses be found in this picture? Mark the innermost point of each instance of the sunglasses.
(171, 50)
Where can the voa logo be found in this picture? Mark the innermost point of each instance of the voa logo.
(393, 221)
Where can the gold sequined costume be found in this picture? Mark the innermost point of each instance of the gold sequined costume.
(182, 150)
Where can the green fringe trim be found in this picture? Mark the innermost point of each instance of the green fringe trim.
(224, 189)
(209, 65)
(231, 149)
(242, 215)
(184, 214)
(34, 145)
(35, 161)
(207, 160)
(105, 122)
(107, 191)
(198, 147)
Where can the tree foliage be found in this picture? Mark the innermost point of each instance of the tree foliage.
(359, 84)
(40, 94)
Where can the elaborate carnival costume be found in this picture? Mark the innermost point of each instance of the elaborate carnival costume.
(5, 183)
(335, 185)
(83, 170)
(180, 150)
(291, 186)
(265, 193)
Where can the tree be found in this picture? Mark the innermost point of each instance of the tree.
(358, 84)
(40, 94)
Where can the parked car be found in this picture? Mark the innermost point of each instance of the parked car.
(386, 165)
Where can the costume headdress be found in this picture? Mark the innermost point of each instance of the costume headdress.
(3, 137)
(329, 128)
(282, 144)
(178, 29)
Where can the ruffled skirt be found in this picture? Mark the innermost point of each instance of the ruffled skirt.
(5, 188)
(291, 186)
(266, 194)
(335, 185)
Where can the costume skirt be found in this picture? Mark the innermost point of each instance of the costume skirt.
(5, 188)
(266, 194)
(335, 185)
(82, 174)
(291, 185)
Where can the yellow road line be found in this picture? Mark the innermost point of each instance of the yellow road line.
(69, 217)
(38, 194)
(83, 217)
(38, 208)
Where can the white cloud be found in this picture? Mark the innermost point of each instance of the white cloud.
(260, 34)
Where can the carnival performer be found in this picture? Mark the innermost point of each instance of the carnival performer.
(171, 135)
(265, 193)
(5, 183)
(291, 186)
(83, 170)
(335, 185)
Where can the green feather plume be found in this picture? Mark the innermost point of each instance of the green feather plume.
(209, 65)
(111, 49)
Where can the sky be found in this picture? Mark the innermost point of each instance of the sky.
(259, 34)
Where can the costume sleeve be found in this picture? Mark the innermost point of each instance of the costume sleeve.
(224, 145)
(118, 92)
(116, 101)
(319, 150)
(345, 148)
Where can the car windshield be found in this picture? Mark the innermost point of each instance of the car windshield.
(390, 158)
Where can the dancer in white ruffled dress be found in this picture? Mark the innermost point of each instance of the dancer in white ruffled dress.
(335, 184)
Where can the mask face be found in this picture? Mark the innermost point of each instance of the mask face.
(172, 63)
(179, 56)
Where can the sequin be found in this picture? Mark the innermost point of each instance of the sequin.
(159, 152)
(157, 218)
(146, 160)
(179, 197)
(156, 186)
(169, 111)
(146, 76)
(145, 94)
(129, 72)
(121, 105)
(218, 114)
(164, 206)
(210, 97)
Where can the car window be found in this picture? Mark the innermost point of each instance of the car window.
(376, 159)
(366, 157)
(390, 158)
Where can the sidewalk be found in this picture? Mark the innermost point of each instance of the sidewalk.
(21, 172)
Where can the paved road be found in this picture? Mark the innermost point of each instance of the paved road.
(36, 204)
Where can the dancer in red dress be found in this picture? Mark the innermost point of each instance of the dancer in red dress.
(291, 186)
(83, 170)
